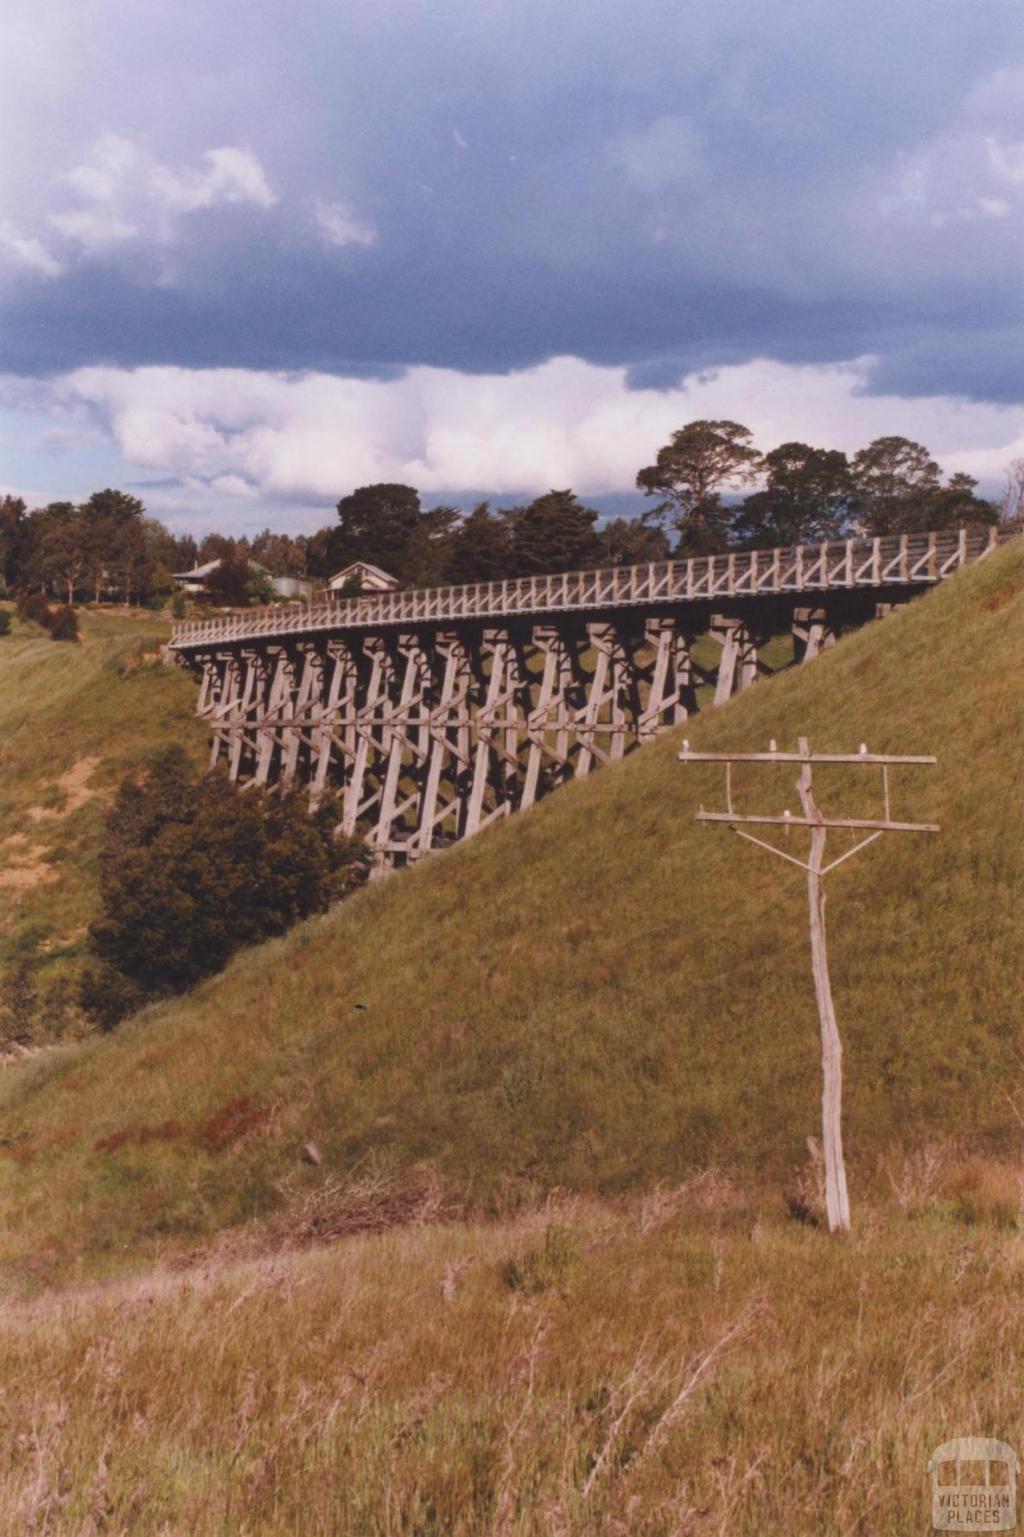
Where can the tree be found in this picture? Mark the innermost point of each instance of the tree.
(1012, 501)
(259, 588)
(217, 546)
(956, 506)
(162, 545)
(191, 869)
(5, 622)
(481, 548)
(808, 496)
(160, 583)
(316, 549)
(33, 608)
(229, 582)
(60, 547)
(12, 535)
(693, 469)
(183, 554)
(899, 490)
(130, 563)
(554, 533)
(279, 554)
(630, 542)
(895, 481)
(427, 552)
(64, 623)
(375, 524)
(108, 514)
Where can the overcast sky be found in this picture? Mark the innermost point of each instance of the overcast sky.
(253, 255)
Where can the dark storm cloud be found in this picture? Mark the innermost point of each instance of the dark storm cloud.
(662, 185)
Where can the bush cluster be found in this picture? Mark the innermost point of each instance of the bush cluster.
(62, 621)
(192, 869)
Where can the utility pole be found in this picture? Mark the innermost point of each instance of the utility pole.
(837, 1203)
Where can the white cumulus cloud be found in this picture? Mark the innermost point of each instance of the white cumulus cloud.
(94, 229)
(229, 175)
(277, 437)
(340, 227)
(123, 192)
(23, 251)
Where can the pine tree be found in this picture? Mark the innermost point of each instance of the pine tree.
(808, 496)
(481, 548)
(691, 471)
(554, 533)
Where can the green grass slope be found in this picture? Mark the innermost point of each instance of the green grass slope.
(73, 718)
(599, 994)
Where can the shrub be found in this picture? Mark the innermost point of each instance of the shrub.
(18, 1006)
(5, 622)
(107, 996)
(64, 623)
(178, 606)
(228, 583)
(191, 870)
(34, 609)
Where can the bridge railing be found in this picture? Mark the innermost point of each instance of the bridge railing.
(890, 560)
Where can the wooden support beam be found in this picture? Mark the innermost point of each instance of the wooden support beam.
(449, 746)
(813, 633)
(500, 664)
(371, 743)
(273, 710)
(405, 743)
(738, 666)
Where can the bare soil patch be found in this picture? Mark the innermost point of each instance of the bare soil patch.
(74, 786)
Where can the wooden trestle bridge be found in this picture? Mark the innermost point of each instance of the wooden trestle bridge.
(435, 712)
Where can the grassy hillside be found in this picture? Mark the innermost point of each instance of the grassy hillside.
(597, 995)
(73, 718)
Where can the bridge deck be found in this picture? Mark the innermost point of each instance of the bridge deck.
(897, 560)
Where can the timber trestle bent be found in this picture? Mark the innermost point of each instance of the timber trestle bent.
(433, 713)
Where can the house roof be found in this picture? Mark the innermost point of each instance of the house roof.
(200, 573)
(364, 566)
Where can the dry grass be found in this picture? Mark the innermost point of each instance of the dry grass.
(712, 1372)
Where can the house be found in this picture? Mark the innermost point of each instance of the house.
(359, 577)
(195, 581)
(295, 589)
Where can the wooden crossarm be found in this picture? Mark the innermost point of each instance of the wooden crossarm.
(689, 756)
(857, 823)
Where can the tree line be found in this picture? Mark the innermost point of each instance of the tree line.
(710, 490)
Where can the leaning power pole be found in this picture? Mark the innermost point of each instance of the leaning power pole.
(837, 1203)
